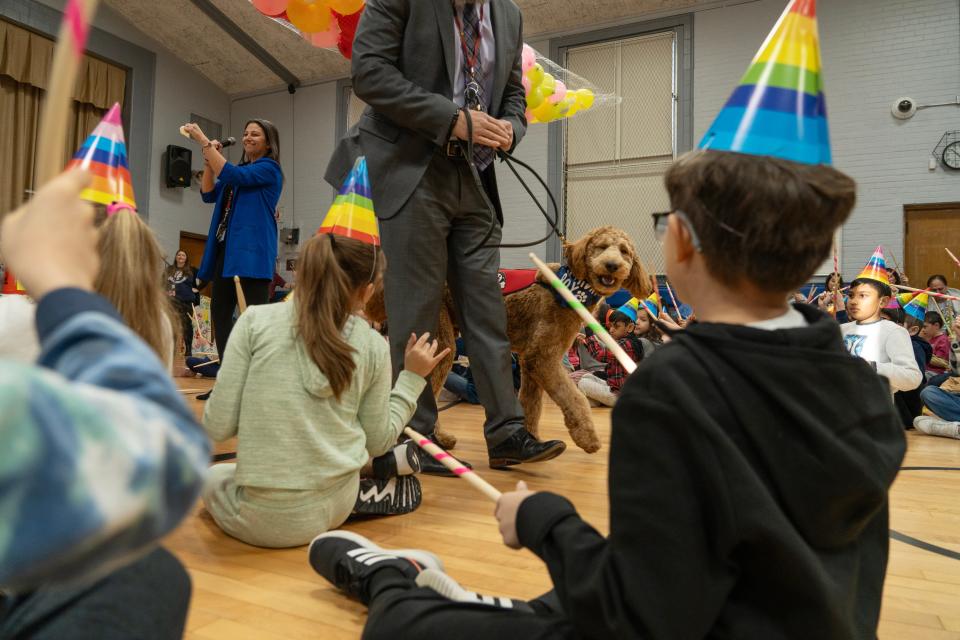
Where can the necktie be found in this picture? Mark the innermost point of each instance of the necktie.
(474, 76)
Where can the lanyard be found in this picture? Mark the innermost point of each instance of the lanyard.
(470, 60)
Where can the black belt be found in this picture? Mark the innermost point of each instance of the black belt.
(453, 149)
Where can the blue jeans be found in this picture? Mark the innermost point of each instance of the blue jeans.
(939, 379)
(943, 404)
(462, 387)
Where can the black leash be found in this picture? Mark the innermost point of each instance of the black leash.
(467, 146)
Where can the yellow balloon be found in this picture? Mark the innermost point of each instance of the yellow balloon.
(310, 16)
(535, 74)
(548, 84)
(346, 7)
(585, 99)
(535, 99)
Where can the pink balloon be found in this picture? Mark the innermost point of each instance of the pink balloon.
(529, 115)
(528, 57)
(325, 39)
(559, 92)
(526, 85)
(270, 7)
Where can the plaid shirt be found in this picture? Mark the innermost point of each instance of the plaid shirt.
(616, 374)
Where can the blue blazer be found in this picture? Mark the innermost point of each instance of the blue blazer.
(251, 242)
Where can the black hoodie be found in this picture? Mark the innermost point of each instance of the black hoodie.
(748, 485)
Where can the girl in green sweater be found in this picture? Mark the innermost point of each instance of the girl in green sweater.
(306, 388)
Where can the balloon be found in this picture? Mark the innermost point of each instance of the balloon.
(548, 84)
(346, 7)
(271, 8)
(311, 16)
(536, 75)
(348, 30)
(585, 99)
(325, 39)
(528, 57)
(346, 47)
(525, 81)
(559, 92)
(529, 116)
(535, 98)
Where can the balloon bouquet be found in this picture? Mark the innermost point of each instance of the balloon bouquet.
(548, 97)
(323, 23)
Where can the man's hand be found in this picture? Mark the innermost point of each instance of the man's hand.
(487, 130)
(506, 513)
(50, 242)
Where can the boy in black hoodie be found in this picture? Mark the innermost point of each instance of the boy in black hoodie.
(736, 509)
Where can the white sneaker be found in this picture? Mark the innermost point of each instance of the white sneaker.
(933, 426)
(450, 588)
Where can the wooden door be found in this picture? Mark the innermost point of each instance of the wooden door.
(194, 244)
(929, 229)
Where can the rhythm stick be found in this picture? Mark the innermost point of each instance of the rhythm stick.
(453, 465)
(837, 297)
(674, 300)
(206, 364)
(896, 263)
(927, 291)
(241, 301)
(67, 57)
(588, 319)
(950, 253)
(812, 294)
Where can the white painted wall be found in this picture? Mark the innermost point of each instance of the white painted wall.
(874, 51)
(179, 91)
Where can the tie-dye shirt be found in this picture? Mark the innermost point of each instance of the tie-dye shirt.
(100, 455)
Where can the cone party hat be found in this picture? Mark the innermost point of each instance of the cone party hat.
(917, 307)
(351, 214)
(104, 155)
(779, 108)
(11, 286)
(876, 268)
(653, 305)
(630, 308)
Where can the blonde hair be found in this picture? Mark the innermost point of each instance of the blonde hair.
(131, 277)
(331, 271)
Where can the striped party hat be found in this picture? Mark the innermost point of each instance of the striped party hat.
(917, 306)
(351, 214)
(779, 108)
(653, 305)
(876, 268)
(104, 155)
(630, 308)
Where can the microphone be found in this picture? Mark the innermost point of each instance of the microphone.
(229, 142)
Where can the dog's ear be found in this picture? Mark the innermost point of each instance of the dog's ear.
(638, 282)
(575, 255)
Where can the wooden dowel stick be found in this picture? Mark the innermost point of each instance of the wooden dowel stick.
(674, 301)
(932, 293)
(585, 315)
(241, 301)
(454, 465)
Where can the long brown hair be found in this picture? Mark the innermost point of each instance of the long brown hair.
(131, 277)
(330, 273)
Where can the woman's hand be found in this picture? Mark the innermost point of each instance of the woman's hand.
(421, 356)
(193, 130)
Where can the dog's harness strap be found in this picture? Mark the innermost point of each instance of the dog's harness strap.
(580, 289)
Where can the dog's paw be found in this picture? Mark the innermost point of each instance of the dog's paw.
(586, 439)
(445, 440)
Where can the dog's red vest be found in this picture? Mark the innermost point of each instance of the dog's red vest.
(512, 280)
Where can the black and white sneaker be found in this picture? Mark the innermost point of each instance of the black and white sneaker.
(402, 460)
(392, 497)
(449, 588)
(347, 560)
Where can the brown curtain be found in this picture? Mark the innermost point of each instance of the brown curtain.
(25, 59)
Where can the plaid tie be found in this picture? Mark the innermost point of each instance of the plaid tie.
(482, 155)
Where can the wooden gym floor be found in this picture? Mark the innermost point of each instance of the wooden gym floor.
(247, 593)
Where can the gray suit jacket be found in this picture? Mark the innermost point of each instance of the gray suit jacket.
(403, 68)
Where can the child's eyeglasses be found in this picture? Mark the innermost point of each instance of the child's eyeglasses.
(660, 227)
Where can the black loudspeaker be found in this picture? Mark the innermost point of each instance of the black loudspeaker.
(178, 163)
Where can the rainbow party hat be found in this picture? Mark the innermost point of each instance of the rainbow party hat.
(351, 214)
(653, 305)
(779, 108)
(876, 268)
(104, 155)
(630, 308)
(917, 307)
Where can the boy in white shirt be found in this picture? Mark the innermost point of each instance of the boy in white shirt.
(882, 343)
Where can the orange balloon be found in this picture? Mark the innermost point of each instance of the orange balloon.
(310, 16)
(346, 7)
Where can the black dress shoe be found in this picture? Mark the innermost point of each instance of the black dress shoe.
(522, 447)
(204, 396)
(432, 467)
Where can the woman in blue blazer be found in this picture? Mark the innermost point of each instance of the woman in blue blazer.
(242, 240)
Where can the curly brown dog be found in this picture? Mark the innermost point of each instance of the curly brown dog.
(541, 330)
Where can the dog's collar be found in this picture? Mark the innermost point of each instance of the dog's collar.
(580, 289)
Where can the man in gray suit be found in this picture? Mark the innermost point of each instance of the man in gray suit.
(417, 64)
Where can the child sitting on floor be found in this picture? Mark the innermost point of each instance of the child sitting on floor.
(605, 390)
(305, 386)
(884, 344)
(939, 341)
(908, 403)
